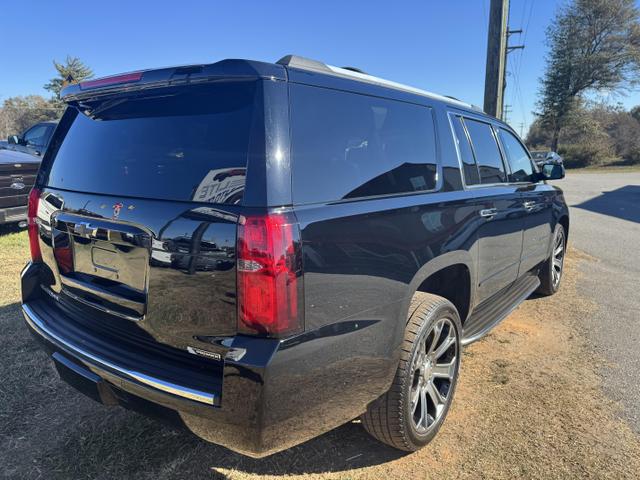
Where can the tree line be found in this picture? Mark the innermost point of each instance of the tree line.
(19, 113)
(594, 50)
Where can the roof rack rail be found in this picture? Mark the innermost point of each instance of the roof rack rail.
(295, 61)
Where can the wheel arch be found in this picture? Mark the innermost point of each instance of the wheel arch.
(451, 276)
(564, 221)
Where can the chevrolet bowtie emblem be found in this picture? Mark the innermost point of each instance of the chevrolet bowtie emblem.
(84, 229)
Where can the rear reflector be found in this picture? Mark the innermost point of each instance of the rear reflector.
(269, 275)
(114, 80)
(32, 214)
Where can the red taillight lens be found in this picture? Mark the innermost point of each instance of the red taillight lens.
(114, 80)
(269, 275)
(32, 214)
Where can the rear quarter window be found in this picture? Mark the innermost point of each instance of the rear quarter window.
(347, 145)
(189, 143)
(486, 151)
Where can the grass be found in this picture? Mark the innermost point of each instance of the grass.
(528, 405)
(14, 253)
(606, 169)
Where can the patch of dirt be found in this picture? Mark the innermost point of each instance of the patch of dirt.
(529, 405)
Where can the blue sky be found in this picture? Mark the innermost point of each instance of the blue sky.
(435, 45)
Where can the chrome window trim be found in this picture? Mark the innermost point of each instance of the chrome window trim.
(450, 115)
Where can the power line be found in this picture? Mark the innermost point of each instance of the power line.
(516, 93)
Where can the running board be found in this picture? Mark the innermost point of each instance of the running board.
(497, 308)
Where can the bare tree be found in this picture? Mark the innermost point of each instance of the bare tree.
(594, 46)
(19, 113)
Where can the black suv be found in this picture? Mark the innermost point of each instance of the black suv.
(262, 252)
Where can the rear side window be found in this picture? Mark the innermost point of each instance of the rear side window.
(346, 145)
(188, 143)
(469, 167)
(37, 136)
(521, 168)
(486, 152)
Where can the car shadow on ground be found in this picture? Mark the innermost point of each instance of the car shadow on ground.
(622, 202)
(10, 228)
(53, 430)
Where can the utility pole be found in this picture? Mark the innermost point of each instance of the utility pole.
(496, 57)
(508, 50)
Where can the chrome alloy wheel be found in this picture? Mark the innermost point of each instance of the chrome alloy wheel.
(558, 258)
(434, 369)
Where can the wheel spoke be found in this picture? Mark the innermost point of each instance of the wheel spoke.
(445, 370)
(423, 408)
(415, 396)
(435, 396)
(446, 344)
(437, 331)
(558, 250)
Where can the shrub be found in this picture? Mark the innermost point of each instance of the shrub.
(586, 154)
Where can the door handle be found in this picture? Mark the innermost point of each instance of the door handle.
(488, 212)
(529, 205)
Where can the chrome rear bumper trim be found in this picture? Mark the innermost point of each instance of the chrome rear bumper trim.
(126, 374)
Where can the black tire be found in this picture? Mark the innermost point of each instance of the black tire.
(549, 283)
(391, 418)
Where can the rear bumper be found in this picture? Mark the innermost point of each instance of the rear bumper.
(235, 427)
(13, 214)
(268, 395)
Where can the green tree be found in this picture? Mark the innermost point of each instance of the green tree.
(73, 70)
(594, 47)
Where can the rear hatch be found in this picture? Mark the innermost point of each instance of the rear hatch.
(141, 193)
(17, 175)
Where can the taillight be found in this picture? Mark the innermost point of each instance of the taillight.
(32, 214)
(269, 272)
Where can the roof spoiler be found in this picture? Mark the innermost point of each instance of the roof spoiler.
(190, 74)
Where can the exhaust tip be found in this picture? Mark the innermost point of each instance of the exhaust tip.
(22, 224)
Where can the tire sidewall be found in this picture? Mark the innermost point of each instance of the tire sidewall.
(554, 288)
(443, 310)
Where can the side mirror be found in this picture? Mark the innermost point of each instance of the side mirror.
(552, 171)
(13, 140)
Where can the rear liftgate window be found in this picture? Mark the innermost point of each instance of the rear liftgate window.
(346, 145)
(188, 143)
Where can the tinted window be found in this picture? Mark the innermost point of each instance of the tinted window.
(37, 136)
(521, 169)
(469, 167)
(347, 146)
(189, 143)
(486, 152)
